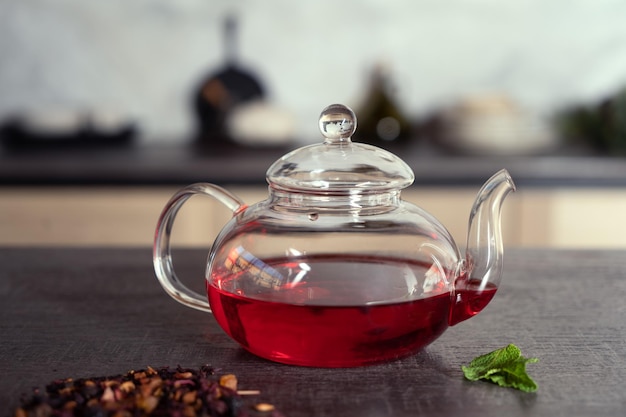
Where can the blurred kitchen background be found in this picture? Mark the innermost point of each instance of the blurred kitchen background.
(107, 107)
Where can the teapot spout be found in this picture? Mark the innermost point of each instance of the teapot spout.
(480, 276)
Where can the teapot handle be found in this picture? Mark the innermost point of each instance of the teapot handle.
(162, 257)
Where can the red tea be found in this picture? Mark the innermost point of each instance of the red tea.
(338, 312)
(470, 299)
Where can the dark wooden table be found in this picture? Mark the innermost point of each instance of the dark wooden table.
(93, 312)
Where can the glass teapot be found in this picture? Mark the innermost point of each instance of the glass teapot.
(334, 269)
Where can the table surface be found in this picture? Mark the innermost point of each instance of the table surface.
(69, 312)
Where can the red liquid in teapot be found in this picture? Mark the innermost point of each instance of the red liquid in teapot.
(342, 312)
(470, 299)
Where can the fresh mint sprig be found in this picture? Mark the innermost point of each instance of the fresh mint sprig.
(505, 367)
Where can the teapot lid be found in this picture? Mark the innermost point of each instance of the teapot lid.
(339, 165)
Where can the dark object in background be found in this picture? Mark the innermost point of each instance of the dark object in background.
(63, 130)
(601, 125)
(222, 91)
(380, 120)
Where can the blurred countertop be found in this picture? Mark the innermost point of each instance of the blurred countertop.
(153, 165)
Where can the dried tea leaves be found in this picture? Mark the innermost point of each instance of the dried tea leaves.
(148, 392)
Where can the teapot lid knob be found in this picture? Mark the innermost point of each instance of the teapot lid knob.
(339, 166)
(337, 123)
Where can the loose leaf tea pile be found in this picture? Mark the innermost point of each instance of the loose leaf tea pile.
(505, 367)
(163, 392)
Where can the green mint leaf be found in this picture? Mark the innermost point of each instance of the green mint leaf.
(485, 365)
(505, 367)
(515, 376)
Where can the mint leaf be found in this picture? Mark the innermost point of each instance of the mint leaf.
(505, 367)
(485, 365)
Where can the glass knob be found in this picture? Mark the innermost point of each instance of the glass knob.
(337, 123)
